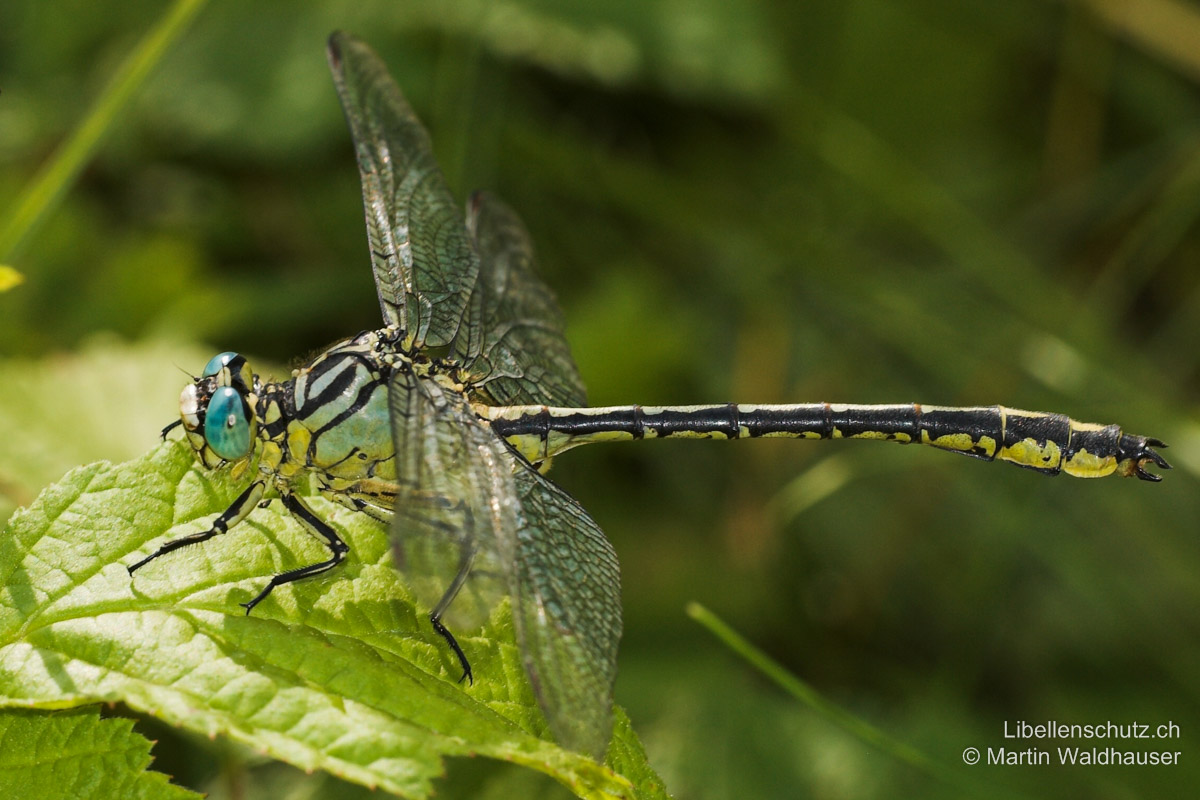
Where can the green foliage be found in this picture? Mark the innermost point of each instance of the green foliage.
(337, 675)
(75, 754)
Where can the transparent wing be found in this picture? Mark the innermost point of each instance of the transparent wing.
(567, 611)
(512, 343)
(422, 257)
(456, 505)
(474, 521)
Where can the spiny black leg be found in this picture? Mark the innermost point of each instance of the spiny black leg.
(175, 544)
(450, 640)
(297, 574)
(230, 517)
(466, 557)
(168, 429)
(317, 527)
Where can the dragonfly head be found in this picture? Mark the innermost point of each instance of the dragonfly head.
(218, 411)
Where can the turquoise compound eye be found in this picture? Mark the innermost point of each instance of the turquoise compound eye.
(227, 424)
(216, 364)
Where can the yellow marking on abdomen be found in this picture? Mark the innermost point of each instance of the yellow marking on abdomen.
(1029, 453)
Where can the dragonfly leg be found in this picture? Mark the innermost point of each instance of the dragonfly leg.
(466, 558)
(445, 633)
(318, 528)
(237, 512)
(376, 499)
(372, 497)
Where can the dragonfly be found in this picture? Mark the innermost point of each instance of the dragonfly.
(442, 423)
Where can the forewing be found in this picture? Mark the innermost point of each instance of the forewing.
(422, 257)
(567, 612)
(512, 343)
(456, 505)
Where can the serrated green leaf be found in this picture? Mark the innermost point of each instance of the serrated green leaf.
(77, 754)
(627, 756)
(340, 674)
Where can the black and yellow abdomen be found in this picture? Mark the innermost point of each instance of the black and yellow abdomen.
(1048, 443)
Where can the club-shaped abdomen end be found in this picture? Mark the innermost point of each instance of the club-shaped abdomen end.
(1135, 453)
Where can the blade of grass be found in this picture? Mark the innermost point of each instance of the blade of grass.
(57, 175)
(839, 716)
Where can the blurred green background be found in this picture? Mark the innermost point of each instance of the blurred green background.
(944, 201)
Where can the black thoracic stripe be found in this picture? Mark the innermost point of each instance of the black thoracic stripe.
(340, 381)
(338, 386)
(363, 397)
(354, 451)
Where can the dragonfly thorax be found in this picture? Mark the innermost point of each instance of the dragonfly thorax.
(331, 418)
